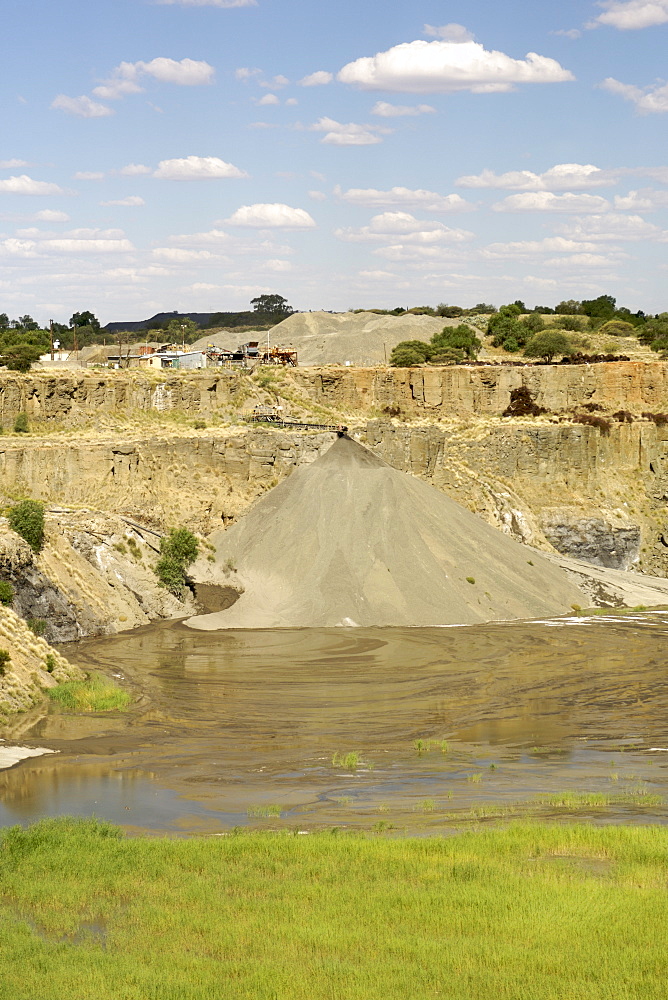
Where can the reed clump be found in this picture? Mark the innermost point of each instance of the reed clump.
(94, 694)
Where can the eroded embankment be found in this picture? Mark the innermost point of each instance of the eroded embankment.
(460, 390)
(29, 667)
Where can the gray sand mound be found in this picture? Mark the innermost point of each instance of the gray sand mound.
(350, 540)
(322, 338)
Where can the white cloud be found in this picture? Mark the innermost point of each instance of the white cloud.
(318, 79)
(571, 33)
(584, 260)
(275, 83)
(533, 248)
(641, 201)
(277, 265)
(377, 275)
(609, 228)
(196, 168)
(208, 3)
(562, 177)
(135, 170)
(124, 78)
(268, 99)
(82, 107)
(412, 230)
(88, 175)
(13, 164)
(291, 102)
(213, 236)
(177, 256)
(632, 14)
(272, 216)
(545, 201)
(131, 201)
(36, 243)
(317, 195)
(245, 73)
(651, 100)
(88, 245)
(385, 110)
(429, 201)
(350, 134)
(449, 32)
(26, 185)
(51, 215)
(444, 67)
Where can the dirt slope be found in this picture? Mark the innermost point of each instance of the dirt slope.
(349, 540)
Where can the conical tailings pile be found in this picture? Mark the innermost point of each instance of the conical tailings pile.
(350, 540)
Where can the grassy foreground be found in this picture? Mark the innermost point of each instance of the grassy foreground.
(527, 913)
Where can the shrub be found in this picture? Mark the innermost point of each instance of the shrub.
(179, 549)
(617, 328)
(593, 421)
(21, 424)
(6, 592)
(27, 520)
(547, 344)
(456, 338)
(36, 625)
(50, 662)
(5, 658)
(522, 404)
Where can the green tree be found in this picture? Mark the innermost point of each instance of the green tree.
(86, 318)
(272, 307)
(27, 520)
(458, 338)
(570, 307)
(602, 308)
(547, 344)
(18, 357)
(182, 327)
(409, 353)
(21, 425)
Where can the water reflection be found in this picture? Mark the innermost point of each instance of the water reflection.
(231, 722)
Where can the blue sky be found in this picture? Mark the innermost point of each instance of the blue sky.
(195, 153)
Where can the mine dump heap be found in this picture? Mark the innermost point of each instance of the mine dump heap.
(350, 540)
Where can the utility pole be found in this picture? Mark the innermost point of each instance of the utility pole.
(51, 335)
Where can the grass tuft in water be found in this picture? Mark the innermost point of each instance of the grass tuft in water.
(349, 761)
(94, 694)
(264, 812)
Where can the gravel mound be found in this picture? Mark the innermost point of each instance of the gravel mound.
(348, 540)
(322, 338)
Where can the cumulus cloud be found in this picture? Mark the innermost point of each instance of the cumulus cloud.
(429, 201)
(125, 78)
(449, 32)
(177, 256)
(276, 82)
(350, 134)
(445, 67)
(609, 228)
(410, 229)
(385, 110)
(196, 168)
(26, 185)
(13, 164)
(318, 79)
(88, 175)
(277, 265)
(545, 201)
(269, 99)
(131, 201)
(562, 177)
(271, 216)
(584, 260)
(35, 243)
(645, 200)
(213, 236)
(650, 100)
(51, 215)
(533, 248)
(82, 107)
(632, 14)
(135, 170)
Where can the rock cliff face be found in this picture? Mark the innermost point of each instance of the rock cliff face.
(435, 393)
(93, 577)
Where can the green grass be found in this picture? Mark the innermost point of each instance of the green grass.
(531, 912)
(264, 812)
(94, 694)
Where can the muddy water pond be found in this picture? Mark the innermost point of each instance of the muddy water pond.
(408, 729)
